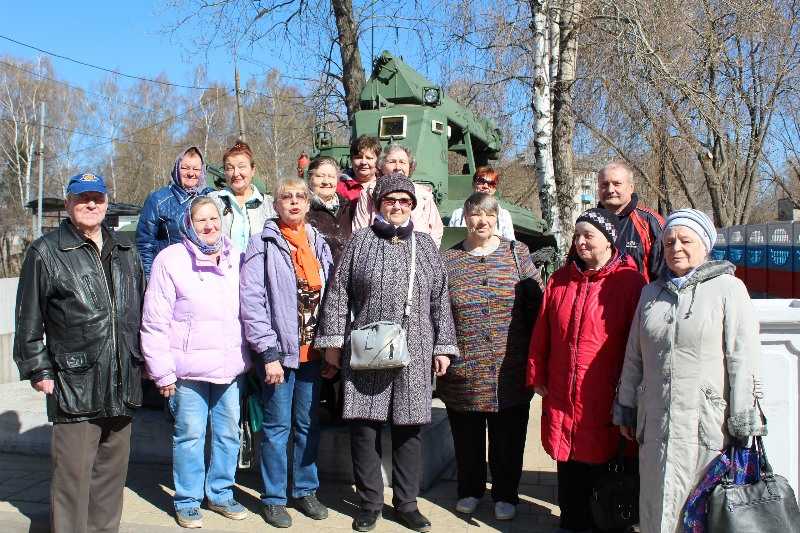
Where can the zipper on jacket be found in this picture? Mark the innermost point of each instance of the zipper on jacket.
(573, 386)
(96, 255)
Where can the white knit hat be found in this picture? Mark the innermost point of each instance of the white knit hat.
(696, 221)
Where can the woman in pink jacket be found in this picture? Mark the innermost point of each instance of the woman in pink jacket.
(193, 347)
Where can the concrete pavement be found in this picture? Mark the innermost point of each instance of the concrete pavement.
(24, 493)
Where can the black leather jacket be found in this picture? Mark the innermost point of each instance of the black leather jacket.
(73, 328)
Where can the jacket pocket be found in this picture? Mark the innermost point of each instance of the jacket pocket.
(641, 414)
(132, 387)
(711, 415)
(79, 388)
(132, 362)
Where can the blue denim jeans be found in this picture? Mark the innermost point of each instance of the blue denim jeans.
(290, 407)
(191, 406)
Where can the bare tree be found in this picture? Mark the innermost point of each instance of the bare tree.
(712, 74)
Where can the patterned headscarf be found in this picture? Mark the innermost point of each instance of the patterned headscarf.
(604, 220)
(176, 173)
(187, 229)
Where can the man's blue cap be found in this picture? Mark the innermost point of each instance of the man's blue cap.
(88, 182)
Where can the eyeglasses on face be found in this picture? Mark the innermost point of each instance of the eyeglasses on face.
(484, 181)
(389, 201)
(287, 196)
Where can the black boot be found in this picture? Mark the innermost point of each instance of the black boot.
(414, 520)
(365, 520)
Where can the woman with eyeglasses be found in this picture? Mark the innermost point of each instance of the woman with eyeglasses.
(486, 180)
(372, 282)
(163, 210)
(282, 282)
(244, 209)
(425, 216)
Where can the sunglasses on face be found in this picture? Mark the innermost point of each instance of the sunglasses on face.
(404, 202)
(484, 181)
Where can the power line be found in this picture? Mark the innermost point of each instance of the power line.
(134, 132)
(104, 69)
(75, 87)
(86, 133)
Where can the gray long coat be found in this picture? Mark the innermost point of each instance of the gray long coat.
(372, 281)
(691, 369)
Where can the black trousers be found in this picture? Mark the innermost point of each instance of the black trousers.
(90, 464)
(365, 448)
(507, 432)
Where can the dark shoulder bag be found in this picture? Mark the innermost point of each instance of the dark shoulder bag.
(615, 496)
(766, 506)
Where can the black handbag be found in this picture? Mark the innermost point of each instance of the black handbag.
(766, 506)
(615, 496)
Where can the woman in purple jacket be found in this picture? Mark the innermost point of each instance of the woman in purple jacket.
(283, 279)
(194, 351)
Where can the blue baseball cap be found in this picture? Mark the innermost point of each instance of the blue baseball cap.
(81, 183)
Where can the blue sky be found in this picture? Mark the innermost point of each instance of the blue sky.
(125, 36)
(132, 37)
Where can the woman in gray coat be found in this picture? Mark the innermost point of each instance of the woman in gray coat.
(371, 282)
(690, 378)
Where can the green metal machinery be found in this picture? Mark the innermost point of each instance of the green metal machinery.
(400, 105)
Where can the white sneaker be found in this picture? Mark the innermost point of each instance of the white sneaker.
(467, 505)
(504, 510)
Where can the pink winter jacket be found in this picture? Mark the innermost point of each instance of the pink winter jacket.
(190, 322)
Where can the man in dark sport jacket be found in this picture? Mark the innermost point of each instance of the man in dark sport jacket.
(640, 226)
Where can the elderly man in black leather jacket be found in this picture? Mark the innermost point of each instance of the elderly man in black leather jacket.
(77, 340)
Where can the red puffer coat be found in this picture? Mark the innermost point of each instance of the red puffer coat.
(577, 350)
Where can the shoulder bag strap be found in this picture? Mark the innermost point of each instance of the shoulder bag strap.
(411, 276)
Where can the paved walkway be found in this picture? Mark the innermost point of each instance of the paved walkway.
(24, 491)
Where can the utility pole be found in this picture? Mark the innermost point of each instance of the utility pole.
(38, 226)
(239, 104)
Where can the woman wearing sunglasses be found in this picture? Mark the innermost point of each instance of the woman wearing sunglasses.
(372, 283)
(486, 180)
(283, 277)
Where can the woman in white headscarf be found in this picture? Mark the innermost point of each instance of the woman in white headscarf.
(690, 378)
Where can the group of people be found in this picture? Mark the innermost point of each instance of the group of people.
(222, 283)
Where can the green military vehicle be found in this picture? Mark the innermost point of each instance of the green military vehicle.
(399, 105)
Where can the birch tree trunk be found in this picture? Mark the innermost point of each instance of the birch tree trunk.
(541, 103)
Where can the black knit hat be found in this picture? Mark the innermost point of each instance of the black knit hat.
(604, 220)
(394, 182)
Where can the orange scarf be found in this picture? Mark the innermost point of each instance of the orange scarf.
(306, 264)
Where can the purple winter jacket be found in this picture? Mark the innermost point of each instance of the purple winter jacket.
(190, 321)
(268, 294)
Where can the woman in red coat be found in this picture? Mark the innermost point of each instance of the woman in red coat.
(576, 355)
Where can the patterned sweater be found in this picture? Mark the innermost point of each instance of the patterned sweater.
(372, 281)
(495, 300)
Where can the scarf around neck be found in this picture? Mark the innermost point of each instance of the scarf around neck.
(304, 259)
(386, 230)
(332, 205)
